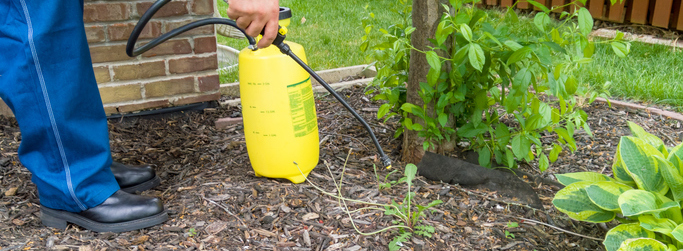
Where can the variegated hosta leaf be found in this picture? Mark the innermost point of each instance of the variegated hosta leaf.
(620, 172)
(662, 149)
(574, 201)
(673, 213)
(617, 235)
(640, 133)
(642, 244)
(677, 233)
(664, 226)
(677, 150)
(677, 162)
(635, 156)
(671, 176)
(636, 202)
(569, 178)
(605, 194)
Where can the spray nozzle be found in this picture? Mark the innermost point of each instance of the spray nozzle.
(386, 162)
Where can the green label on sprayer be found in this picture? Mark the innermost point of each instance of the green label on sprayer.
(302, 107)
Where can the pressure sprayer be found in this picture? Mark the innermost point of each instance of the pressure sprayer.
(278, 109)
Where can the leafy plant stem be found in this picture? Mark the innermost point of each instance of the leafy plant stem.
(408, 198)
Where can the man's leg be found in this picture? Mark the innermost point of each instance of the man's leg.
(46, 78)
(47, 82)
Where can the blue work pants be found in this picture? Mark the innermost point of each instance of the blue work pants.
(47, 79)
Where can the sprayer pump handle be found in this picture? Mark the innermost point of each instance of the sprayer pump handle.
(279, 38)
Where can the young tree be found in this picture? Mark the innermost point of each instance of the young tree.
(426, 17)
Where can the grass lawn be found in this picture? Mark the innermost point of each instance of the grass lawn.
(651, 73)
(332, 32)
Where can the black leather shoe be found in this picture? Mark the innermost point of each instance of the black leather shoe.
(121, 212)
(134, 179)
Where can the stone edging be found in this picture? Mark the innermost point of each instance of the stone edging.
(316, 89)
(664, 113)
(610, 34)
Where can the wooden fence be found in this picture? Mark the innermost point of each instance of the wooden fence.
(661, 13)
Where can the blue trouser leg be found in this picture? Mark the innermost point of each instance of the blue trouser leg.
(46, 78)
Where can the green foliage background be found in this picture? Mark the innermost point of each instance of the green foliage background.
(483, 78)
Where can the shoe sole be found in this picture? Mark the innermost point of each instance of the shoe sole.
(144, 186)
(58, 219)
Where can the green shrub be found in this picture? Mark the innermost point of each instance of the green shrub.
(480, 72)
(645, 192)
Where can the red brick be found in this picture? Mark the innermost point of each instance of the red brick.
(109, 110)
(121, 93)
(176, 47)
(98, 12)
(95, 33)
(197, 99)
(139, 70)
(102, 74)
(174, 8)
(203, 30)
(121, 31)
(192, 64)
(223, 123)
(108, 53)
(169, 87)
(204, 45)
(136, 107)
(202, 7)
(209, 83)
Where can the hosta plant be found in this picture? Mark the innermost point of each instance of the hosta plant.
(645, 193)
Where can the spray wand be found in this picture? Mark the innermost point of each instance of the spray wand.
(278, 42)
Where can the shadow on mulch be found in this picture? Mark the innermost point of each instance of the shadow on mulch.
(216, 203)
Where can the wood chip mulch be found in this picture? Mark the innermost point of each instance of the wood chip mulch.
(215, 201)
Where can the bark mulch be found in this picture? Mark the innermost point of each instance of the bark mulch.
(216, 203)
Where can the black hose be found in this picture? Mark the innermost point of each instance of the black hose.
(284, 48)
(148, 15)
(279, 42)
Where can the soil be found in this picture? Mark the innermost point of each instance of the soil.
(215, 202)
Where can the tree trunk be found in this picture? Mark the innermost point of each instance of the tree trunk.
(426, 15)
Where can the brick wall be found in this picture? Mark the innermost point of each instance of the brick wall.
(177, 72)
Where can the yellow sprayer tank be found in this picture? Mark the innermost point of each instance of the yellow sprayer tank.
(278, 110)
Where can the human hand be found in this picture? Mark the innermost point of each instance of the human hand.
(253, 16)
